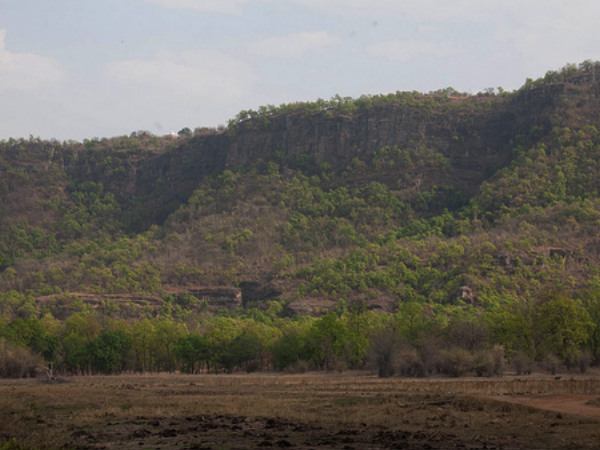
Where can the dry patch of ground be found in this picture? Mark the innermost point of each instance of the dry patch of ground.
(309, 411)
(582, 405)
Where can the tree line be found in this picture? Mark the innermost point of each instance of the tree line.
(420, 339)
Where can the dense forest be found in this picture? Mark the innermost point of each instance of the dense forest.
(409, 233)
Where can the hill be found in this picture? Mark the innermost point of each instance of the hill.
(461, 204)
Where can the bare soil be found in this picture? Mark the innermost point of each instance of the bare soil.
(581, 405)
(309, 411)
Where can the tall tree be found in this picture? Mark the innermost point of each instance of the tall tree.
(564, 326)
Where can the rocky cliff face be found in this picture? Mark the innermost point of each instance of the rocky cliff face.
(476, 143)
(338, 139)
(476, 135)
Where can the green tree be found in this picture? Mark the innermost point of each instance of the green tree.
(590, 299)
(287, 350)
(193, 351)
(359, 324)
(79, 329)
(412, 320)
(564, 326)
(165, 338)
(143, 339)
(108, 352)
(511, 326)
(243, 352)
(27, 333)
(326, 341)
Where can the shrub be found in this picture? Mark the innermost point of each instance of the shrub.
(522, 363)
(551, 363)
(390, 354)
(429, 353)
(383, 353)
(490, 362)
(466, 334)
(455, 361)
(409, 363)
(18, 362)
(585, 360)
(299, 366)
(497, 353)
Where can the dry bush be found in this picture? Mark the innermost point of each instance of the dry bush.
(466, 334)
(551, 363)
(299, 366)
(390, 354)
(429, 352)
(409, 363)
(585, 360)
(383, 353)
(18, 362)
(455, 361)
(338, 365)
(498, 357)
(522, 363)
(490, 362)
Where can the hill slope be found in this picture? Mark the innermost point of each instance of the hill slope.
(441, 197)
(420, 234)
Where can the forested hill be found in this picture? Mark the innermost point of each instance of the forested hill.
(461, 204)
(475, 134)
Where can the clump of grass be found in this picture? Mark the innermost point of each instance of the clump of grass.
(13, 444)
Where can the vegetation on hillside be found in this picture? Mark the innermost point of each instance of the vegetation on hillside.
(401, 259)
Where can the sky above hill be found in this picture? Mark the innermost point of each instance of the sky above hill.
(75, 69)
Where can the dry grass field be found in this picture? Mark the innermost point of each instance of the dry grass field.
(308, 411)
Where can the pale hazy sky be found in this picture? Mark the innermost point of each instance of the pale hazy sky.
(75, 69)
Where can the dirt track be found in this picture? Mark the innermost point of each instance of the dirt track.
(568, 404)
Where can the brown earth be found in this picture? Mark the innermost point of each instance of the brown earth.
(570, 404)
(308, 411)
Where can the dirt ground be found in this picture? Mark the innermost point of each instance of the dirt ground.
(568, 404)
(309, 411)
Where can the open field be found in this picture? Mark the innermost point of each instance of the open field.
(308, 411)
